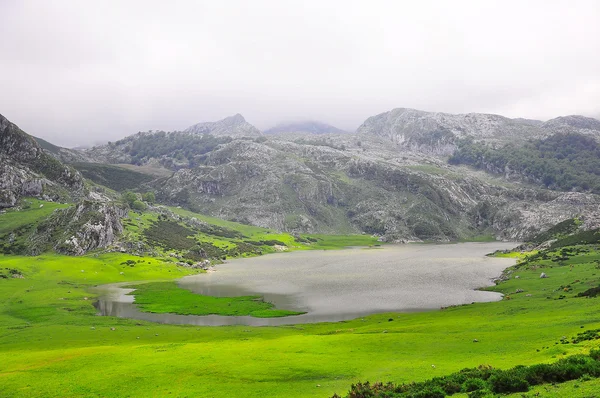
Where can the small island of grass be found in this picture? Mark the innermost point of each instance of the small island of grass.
(167, 297)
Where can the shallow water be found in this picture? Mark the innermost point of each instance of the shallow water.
(338, 285)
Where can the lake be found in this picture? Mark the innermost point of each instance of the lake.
(338, 285)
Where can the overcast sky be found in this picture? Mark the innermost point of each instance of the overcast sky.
(81, 71)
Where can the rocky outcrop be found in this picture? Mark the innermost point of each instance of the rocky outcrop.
(436, 133)
(89, 225)
(390, 179)
(26, 170)
(309, 188)
(573, 124)
(64, 155)
(232, 126)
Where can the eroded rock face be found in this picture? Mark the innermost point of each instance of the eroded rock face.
(26, 170)
(307, 188)
(436, 133)
(390, 179)
(87, 226)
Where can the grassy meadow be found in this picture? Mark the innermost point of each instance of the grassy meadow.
(53, 344)
(167, 297)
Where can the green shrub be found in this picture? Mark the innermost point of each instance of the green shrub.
(509, 381)
(169, 235)
(113, 177)
(473, 384)
(481, 394)
(139, 205)
(564, 162)
(430, 392)
(149, 197)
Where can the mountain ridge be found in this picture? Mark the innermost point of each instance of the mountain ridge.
(397, 187)
(305, 126)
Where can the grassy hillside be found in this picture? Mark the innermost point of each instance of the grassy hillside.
(53, 344)
(113, 177)
(17, 223)
(196, 236)
(165, 231)
(562, 161)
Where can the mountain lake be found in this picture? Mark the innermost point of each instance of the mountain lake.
(336, 285)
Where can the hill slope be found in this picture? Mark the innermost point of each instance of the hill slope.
(26, 170)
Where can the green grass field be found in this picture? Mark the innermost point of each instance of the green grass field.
(53, 344)
(167, 297)
(31, 212)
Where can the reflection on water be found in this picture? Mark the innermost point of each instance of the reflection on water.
(337, 285)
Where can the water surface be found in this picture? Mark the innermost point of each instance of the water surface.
(338, 284)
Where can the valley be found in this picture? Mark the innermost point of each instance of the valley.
(329, 199)
(54, 344)
(299, 263)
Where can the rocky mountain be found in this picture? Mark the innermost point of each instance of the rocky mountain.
(172, 150)
(437, 133)
(65, 155)
(232, 126)
(26, 170)
(89, 225)
(311, 188)
(305, 127)
(391, 178)
(573, 124)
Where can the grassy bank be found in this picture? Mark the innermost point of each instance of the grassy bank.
(167, 297)
(53, 344)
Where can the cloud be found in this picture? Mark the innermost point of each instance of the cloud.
(76, 72)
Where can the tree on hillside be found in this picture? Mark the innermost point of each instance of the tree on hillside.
(149, 197)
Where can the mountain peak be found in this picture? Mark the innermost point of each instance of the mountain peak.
(574, 121)
(232, 126)
(235, 119)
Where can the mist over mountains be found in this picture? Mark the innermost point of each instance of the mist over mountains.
(391, 178)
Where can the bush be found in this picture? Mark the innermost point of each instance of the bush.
(138, 205)
(430, 392)
(149, 197)
(474, 384)
(129, 197)
(169, 235)
(485, 381)
(481, 394)
(509, 381)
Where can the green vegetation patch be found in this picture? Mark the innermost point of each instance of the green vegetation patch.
(484, 380)
(180, 147)
(562, 161)
(331, 242)
(559, 231)
(30, 211)
(223, 232)
(113, 177)
(52, 343)
(16, 224)
(169, 235)
(582, 238)
(167, 297)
